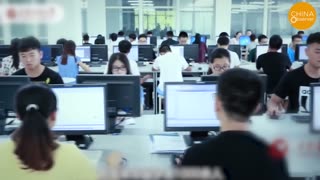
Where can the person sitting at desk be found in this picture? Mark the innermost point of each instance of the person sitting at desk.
(30, 56)
(170, 66)
(183, 38)
(295, 82)
(273, 63)
(219, 62)
(169, 40)
(237, 151)
(142, 39)
(262, 40)
(68, 62)
(11, 64)
(32, 152)
(85, 39)
(223, 42)
(203, 50)
(236, 38)
(295, 39)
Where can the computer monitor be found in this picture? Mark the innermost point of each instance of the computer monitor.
(181, 114)
(315, 105)
(123, 92)
(244, 40)
(152, 40)
(82, 109)
(46, 53)
(146, 53)
(173, 38)
(203, 39)
(262, 49)
(133, 54)
(304, 38)
(235, 48)
(16, 79)
(264, 79)
(4, 51)
(284, 49)
(190, 52)
(300, 53)
(179, 50)
(99, 53)
(84, 52)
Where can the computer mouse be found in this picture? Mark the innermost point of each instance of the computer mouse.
(200, 68)
(274, 117)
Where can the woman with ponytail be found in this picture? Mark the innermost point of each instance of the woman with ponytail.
(32, 152)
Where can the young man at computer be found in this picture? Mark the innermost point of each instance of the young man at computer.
(170, 66)
(295, 39)
(169, 40)
(223, 42)
(183, 38)
(262, 40)
(30, 56)
(219, 61)
(237, 151)
(273, 63)
(295, 84)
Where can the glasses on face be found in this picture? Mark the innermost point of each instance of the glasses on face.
(119, 68)
(219, 68)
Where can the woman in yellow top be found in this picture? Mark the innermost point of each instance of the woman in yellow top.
(32, 152)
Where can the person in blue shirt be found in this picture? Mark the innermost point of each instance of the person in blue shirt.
(296, 39)
(68, 62)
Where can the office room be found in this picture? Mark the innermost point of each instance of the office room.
(160, 89)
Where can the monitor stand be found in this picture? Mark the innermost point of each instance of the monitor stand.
(82, 141)
(115, 127)
(195, 137)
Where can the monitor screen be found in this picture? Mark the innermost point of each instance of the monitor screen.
(56, 50)
(315, 105)
(123, 92)
(262, 49)
(304, 38)
(8, 92)
(300, 53)
(99, 52)
(235, 48)
(191, 52)
(79, 112)
(4, 51)
(203, 39)
(133, 54)
(179, 50)
(146, 53)
(84, 52)
(180, 112)
(244, 40)
(46, 53)
(152, 40)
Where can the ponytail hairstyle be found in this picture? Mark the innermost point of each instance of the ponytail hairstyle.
(69, 48)
(34, 141)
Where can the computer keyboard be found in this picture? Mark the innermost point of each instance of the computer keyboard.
(301, 118)
(95, 65)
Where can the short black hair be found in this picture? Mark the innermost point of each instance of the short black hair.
(142, 36)
(121, 57)
(313, 38)
(169, 33)
(124, 46)
(183, 34)
(219, 53)
(240, 91)
(249, 30)
(85, 37)
(149, 32)
(113, 36)
(300, 32)
(133, 36)
(296, 36)
(29, 43)
(253, 37)
(61, 41)
(223, 34)
(164, 49)
(275, 42)
(223, 41)
(262, 36)
(100, 40)
(120, 33)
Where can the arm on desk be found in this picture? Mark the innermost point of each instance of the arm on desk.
(84, 66)
(145, 78)
(275, 106)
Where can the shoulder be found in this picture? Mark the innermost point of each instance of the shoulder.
(7, 59)
(6, 145)
(20, 72)
(50, 71)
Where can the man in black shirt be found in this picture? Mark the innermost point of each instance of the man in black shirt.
(295, 84)
(169, 40)
(30, 56)
(274, 64)
(240, 153)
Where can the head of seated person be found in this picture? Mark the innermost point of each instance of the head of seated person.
(183, 38)
(223, 42)
(113, 37)
(30, 54)
(238, 96)
(275, 43)
(69, 49)
(61, 41)
(219, 61)
(312, 50)
(142, 39)
(119, 64)
(36, 107)
(262, 39)
(164, 49)
(169, 34)
(124, 46)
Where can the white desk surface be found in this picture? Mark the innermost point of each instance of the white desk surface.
(134, 143)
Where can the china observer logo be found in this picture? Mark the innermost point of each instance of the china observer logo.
(302, 15)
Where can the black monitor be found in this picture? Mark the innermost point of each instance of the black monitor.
(182, 115)
(191, 52)
(315, 105)
(50, 52)
(202, 39)
(146, 52)
(152, 40)
(9, 85)
(235, 48)
(300, 53)
(264, 79)
(284, 49)
(99, 53)
(211, 48)
(4, 51)
(123, 92)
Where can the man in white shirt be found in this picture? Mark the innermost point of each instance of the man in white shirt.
(171, 66)
(223, 42)
(124, 47)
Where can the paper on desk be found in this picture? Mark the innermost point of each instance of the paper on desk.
(167, 143)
